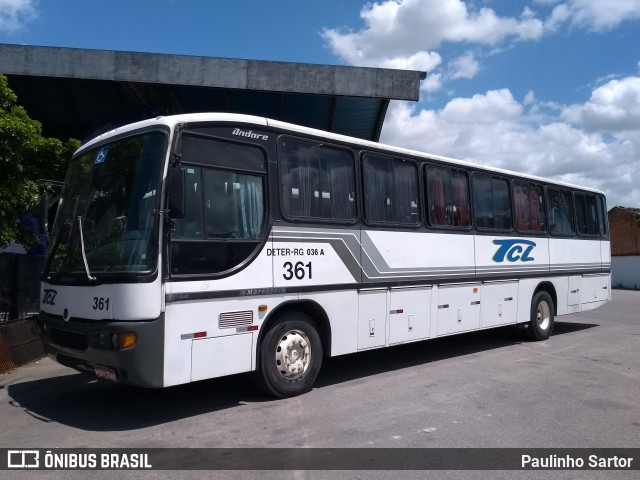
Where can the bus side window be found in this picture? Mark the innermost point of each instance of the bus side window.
(338, 192)
(191, 226)
(586, 214)
(225, 215)
(528, 203)
(492, 202)
(560, 212)
(316, 182)
(602, 216)
(390, 190)
(447, 197)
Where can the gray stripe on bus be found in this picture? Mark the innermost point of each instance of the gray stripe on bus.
(375, 268)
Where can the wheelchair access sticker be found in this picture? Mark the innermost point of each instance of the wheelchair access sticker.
(102, 155)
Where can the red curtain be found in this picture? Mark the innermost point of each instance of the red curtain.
(437, 187)
(522, 207)
(461, 200)
(535, 212)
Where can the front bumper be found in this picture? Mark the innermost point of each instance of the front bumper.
(74, 344)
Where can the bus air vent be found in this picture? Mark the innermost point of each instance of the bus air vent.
(235, 319)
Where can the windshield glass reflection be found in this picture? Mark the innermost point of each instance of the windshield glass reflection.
(107, 220)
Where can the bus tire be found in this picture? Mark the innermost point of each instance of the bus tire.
(542, 320)
(290, 356)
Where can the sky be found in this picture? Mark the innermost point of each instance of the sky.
(546, 87)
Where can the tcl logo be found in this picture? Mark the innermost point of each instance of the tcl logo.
(49, 296)
(513, 250)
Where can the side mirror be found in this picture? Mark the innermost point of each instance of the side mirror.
(47, 211)
(49, 204)
(176, 192)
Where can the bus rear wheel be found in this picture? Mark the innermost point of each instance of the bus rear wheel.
(290, 356)
(542, 319)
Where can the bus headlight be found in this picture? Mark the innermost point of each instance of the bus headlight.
(103, 340)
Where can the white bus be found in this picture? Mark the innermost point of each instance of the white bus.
(196, 246)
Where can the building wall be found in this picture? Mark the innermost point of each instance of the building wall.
(624, 228)
(625, 271)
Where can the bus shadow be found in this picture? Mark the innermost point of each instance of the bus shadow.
(81, 402)
(561, 328)
(344, 368)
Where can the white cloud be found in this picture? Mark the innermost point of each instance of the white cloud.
(495, 129)
(15, 13)
(601, 15)
(596, 143)
(465, 66)
(405, 33)
(400, 28)
(559, 15)
(530, 98)
(423, 61)
(432, 83)
(494, 106)
(613, 107)
(596, 15)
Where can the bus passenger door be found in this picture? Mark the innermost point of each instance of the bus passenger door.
(372, 318)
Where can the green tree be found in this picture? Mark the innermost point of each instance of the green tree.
(25, 157)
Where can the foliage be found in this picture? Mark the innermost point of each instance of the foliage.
(25, 157)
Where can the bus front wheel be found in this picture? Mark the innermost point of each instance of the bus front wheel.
(290, 356)
(541, 323)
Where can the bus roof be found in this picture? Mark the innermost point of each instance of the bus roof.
(172, 120)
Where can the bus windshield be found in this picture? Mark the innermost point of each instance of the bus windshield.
(107, 219)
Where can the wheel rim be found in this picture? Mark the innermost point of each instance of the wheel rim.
(543, 315)
(293, 354)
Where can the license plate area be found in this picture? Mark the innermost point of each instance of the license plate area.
(105, 373)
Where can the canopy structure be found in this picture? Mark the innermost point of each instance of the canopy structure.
(79, 93)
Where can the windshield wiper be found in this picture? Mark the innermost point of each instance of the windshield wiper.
(84, 255)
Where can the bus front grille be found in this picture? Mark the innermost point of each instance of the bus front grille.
(73, 340)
